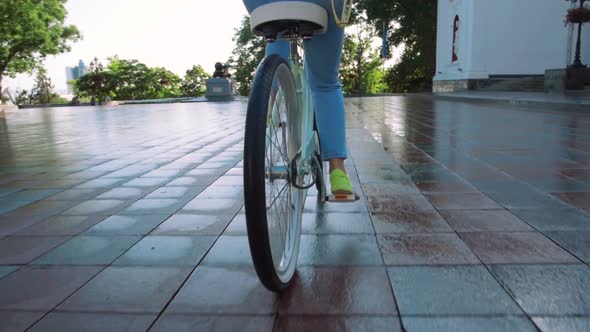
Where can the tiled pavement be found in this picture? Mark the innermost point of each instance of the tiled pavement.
(473, 217)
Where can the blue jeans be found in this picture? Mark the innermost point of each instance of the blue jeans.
(322, 61)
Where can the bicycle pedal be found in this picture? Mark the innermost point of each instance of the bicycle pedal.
(343, 198)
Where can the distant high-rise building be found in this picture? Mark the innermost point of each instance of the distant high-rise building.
(74, 73)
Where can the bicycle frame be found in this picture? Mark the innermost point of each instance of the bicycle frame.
(305, 100)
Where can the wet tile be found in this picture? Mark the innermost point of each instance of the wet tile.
(390, 189)
(509, 248)
(445, 187)
(127, 193)
(43, 208)
(561, 185)
(484, 221)
(7, 205)
(32, 195)
(405, 203)
(338, 323)
(219, 191)
(93, 322)
(237, 226)
(61, 226)
(339, 250)
(312, 205)
(127, 225)
(343, 291)
(146, 182)
(562, 324)
(127, 290)
(213, 206)
(576, 242)
(45, 286)
(229, 181)
(484, 324)
(548, 289)
(189, 181)
(230, 251)
(7, 269)
(453, 290)
(512, 199)
(13, 321)
(205, 172)
(425, 249)
(569, 219)
(11, 224)
(97, 207)
(337, 223)
(23, 249)
(154, 206)
(402, 220)
(175, 192)
(88, 250)
(462, 201)
(189, 323)
(228, 291)
(167, 250)
(239, 171)
(76, 195)
(193, 224)
(99, 183)
(129, 171)
(580, 200)
(163, 173)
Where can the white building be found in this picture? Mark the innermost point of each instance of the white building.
(482, 40)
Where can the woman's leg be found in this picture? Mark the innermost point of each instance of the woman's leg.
(323, 55)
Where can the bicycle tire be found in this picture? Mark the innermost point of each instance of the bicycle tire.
(256, 175)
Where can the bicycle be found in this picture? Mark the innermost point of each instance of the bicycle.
(281, 146)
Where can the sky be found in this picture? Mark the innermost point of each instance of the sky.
(175, 34)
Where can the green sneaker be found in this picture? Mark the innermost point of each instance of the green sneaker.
(340, 182)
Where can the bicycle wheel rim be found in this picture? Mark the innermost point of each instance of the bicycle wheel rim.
(283, 201)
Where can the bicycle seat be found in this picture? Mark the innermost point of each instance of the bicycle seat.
(288, 20)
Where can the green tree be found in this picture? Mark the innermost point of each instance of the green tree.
(129, 80)
(95, 85)
(412, 23)
(134, 80)
(193, 84)
(360, 68)
(42, 92)
(247, 54)
(163, 83)
(29, 31)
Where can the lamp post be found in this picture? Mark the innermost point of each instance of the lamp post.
(578, 58)
(96, 69)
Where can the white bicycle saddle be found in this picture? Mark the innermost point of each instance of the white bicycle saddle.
(290, 19)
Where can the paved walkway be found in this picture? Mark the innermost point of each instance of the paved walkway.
(129, 218)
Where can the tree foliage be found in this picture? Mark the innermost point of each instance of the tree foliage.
(95, 85)
(29, 31)
(194, 81)
(247, 54)
(412, 23)
(360, 69)
(124, 79)
(134, 80)
(41, 93)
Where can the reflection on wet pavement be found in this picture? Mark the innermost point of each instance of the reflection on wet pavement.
(474, 216)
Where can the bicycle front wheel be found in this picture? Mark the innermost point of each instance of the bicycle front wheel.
(273, 205)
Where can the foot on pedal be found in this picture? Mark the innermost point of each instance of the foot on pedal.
(341, 188)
